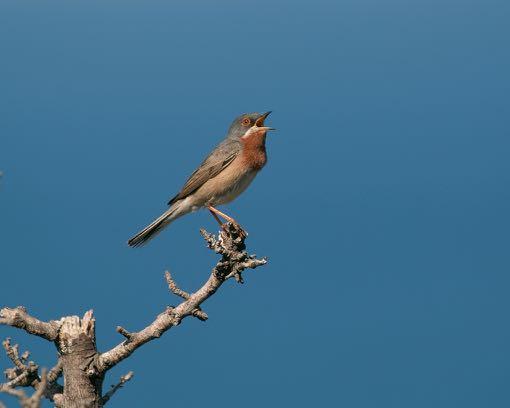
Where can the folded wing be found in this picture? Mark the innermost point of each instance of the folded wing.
(214, 164)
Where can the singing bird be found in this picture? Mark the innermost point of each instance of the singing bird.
(223, 175)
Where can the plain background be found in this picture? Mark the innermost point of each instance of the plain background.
(383, 208)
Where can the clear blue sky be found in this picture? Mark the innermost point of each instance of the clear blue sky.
(384, 207)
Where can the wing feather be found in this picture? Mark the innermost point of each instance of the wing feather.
(214, 164)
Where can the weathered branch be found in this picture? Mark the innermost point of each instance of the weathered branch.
(18, 317)
(13, 354)
(40, 390)
(21, 374)
(56, 372)
(174, 288)
(79, 362)
(198, 313)
(235, 259)
(34, 401)
(124, 332)
(25, 374)
(124, 379)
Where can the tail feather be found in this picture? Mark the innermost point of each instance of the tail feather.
(156, 226)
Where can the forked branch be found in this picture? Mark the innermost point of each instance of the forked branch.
(26, 374)
(81, 365)
(234, 260)
(18, 317)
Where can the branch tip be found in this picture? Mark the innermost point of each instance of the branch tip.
(19, 318)
(172, 286)
(124, 379)
(124, 332)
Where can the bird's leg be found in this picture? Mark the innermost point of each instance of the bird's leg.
(215, 212)
(215, 216)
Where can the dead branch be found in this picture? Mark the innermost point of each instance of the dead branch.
(34, 401)
(79, 362)
(56, 372)
(25, 374)
(18, 317)
(198, 313)
(124, 379)
(235, 259)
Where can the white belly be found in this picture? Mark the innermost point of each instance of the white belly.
(236, 188)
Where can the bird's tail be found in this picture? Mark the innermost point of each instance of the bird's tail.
(156, 226)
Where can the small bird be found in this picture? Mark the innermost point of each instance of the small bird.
(223, 175)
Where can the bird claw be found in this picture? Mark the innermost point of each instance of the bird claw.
(234, 228)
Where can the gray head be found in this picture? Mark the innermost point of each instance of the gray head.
(244, 122)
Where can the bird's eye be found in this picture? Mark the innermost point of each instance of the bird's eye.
(246, 122)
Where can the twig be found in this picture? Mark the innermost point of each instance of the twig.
(41, 388)
(124, 379)
(34, 401)
(21, 379)
(174, 288)
(26, 375)
(14, 392)
(198, 313)
(13, 353)
(55, 372)
(20, 374)
(124, 332)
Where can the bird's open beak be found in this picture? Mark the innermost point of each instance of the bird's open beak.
(260, 121)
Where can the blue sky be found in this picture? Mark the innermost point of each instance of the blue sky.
(383, 208)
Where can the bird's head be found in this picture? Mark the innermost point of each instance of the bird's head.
(248, 122)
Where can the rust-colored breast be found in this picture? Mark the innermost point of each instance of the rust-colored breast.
(254, 151)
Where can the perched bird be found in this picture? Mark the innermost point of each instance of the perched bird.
(223, 175)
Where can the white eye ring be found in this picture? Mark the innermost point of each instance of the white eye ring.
(246, 121)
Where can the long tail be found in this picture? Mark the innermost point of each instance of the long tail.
(156, 226)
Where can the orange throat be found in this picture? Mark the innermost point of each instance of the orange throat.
(254, 150)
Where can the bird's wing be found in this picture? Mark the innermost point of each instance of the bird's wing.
(219, 159)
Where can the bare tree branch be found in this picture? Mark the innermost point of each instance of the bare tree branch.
(33, 401)
(21, 374)
(124, 332)
(235, 259)
(14, 392)
(18, 317)
(173, 286)
(124, 379)
(13, 354)
(79, 362)
(40, 389)
(55, 373)
(25, 374)
(198, 313)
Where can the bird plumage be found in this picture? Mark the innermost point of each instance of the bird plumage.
(212, 165)
(224, 174)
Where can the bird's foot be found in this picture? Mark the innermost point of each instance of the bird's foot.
(233, 228)
(236, 227)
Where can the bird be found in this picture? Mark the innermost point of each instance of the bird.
(221, 177)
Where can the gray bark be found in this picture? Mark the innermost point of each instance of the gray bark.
(82, 366)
